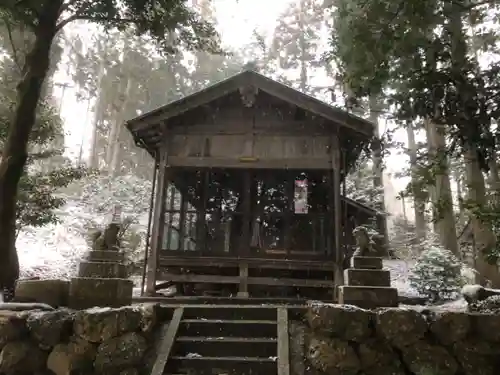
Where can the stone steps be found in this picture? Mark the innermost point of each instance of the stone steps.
(225, 339)
(368, 285)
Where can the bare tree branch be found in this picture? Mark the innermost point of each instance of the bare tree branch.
(83, 17)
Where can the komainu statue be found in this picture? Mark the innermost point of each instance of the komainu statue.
(365, 246)
(107, 239)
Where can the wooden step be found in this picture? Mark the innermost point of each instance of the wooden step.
(296, 312)
(229, 346)
(226, 365)
(227, 328)
(233, 312)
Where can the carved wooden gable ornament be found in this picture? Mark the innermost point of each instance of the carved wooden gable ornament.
(248, 94)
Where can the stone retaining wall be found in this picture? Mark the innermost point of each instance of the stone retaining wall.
(94, 341)
(345, 340)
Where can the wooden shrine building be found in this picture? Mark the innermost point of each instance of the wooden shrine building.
(249, 195)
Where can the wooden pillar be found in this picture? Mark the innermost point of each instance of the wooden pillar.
(201, 226)
(171, 205)
(337, 213)
(182, 222)
(150, 223)
(247, 214)
(158, 220)
(288, 214)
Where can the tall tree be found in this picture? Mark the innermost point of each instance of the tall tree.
(424, 45)
(123, 75)
(160, 19)
(296, 41)
(211, 68)
(419, 195)
(37, 198)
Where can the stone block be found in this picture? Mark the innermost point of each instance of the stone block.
(369, 263)
(51, 292)
(368, 297)
(87, 292)
(105, 270)
(106, 256)
(366, 277)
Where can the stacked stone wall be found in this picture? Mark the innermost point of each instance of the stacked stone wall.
(95, 341)
(346, 340)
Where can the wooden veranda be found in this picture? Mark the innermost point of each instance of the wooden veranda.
(249, 189)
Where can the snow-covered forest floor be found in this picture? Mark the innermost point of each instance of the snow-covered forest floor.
(54, 251)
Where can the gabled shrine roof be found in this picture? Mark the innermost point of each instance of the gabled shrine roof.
(147, 127)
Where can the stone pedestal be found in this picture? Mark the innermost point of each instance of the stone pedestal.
(51, 292)
(368, 285)
(102, 281)
(87, 292)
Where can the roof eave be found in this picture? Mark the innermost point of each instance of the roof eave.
(158, 116)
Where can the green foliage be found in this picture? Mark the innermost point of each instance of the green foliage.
(489, 216)
(360, 186)
(37, 199)
(100, 192)
(102, 70)
(296, 41)
(171, 24)
(421, 50)
(437, 274)
(404, 240)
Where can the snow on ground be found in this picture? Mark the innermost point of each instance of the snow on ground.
(53, 251)
(400, 270)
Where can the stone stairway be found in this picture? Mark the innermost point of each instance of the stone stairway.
(368, 285)
(232, 339)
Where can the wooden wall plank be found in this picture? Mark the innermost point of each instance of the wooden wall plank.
(226, 162)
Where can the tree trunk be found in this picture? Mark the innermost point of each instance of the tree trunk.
(378, 171)
(98, 115)
(418, 198)
(116, 146)
(458, 183)
(303, 48)
(494, 178)
(484, 238)
(442, 201)
(15, 150)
